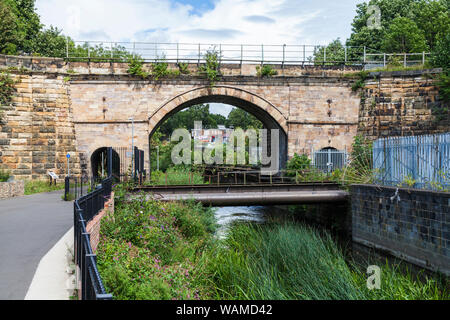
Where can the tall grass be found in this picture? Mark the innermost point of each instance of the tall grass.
(176, 176)
(296, 262)
(38, 186)
(281, 262)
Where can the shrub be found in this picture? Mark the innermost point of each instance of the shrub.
(211, 68)
(298, 163)
(136, 67)
(183, 67)
(4, 175)
(149, 250)
(265, 71)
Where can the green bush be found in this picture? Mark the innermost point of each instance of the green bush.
(136, 67)
(265, 71)
(211, 67)
(4, 175)
(150, 250)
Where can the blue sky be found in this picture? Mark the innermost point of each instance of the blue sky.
(278, 22)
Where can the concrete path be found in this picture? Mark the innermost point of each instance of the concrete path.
(29, 227)
(55, 275)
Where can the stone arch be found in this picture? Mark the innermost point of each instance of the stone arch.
(266, 112)
(256, 105)
(99, 158)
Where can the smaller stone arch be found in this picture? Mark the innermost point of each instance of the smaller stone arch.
(99, 163)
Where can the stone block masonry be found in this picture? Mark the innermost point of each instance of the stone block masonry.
(12, 189)
(413, 225)
(403, 103)
(65, 107)
(37, 130)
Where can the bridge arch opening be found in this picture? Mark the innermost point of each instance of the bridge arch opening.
(270, 116)
(99, 163)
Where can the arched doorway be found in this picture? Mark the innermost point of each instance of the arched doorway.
(99, 164)
(270, 116)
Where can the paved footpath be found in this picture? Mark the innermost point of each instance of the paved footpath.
(29, 227)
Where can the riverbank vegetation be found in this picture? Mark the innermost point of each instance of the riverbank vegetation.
(155, 250)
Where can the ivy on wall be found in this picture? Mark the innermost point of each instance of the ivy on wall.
(7, 90)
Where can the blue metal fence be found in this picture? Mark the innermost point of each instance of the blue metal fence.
(421, 162)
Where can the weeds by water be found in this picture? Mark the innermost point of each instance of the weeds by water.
(292, 262)
(176, 176)
(155, 250)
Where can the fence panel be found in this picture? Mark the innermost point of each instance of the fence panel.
(420, 162)
(85, 209)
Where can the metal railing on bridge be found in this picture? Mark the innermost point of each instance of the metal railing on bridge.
(298, 54)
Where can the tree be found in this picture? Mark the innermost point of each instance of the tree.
(186, 118)
(239, 118)
(430, 16)
(403, 35)
(362, 35)
(8, 27)
(440, 56)
(335, 52)
(27, 24)
(433, 18)
(50, 43)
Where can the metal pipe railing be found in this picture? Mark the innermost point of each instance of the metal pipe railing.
(229, 53)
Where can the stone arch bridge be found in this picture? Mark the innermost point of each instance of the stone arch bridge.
(310, 113)
(65, 107)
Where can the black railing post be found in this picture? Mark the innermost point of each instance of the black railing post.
(66, 187)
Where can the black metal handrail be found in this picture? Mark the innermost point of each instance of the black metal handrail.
(85, 209)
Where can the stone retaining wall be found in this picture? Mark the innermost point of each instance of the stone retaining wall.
(403, 103)
(413, 225)
(12, 189)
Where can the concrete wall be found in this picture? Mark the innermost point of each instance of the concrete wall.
(416, 228)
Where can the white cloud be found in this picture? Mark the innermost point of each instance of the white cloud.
(229, 21)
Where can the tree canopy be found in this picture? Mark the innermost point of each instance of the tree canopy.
(416, 24)
(239, 118)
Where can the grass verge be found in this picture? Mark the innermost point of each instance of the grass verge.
(38, 186)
